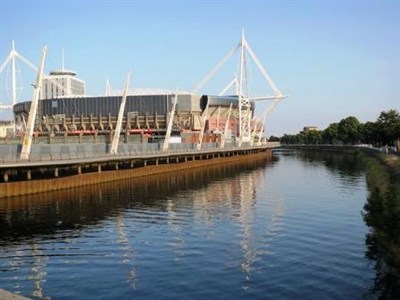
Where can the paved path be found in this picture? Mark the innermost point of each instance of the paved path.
(4, 295)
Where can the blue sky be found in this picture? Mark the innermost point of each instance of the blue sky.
(333, 58)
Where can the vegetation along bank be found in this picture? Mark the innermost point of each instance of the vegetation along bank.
(381, 211)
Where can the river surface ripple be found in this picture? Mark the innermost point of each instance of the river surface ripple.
(289, 228)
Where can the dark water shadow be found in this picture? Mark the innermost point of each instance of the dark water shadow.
(71, 210)
(382, 214)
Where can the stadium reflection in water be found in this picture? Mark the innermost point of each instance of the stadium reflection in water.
(237, 231)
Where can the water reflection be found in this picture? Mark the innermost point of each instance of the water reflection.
(74, 209)
(382, 213)
(288, 230)
(38, 270)
(247, 198)
(63, 215)
(128, 251)
(349, 166)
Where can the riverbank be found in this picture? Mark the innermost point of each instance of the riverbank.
(125, 170)
(382, 214)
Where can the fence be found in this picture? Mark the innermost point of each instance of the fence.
(62, 151)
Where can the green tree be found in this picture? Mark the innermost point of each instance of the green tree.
(274, 139)
(368, 133)
(348, 130)
(291, 139)
(312, 137)
(388, 127)
(330, 134)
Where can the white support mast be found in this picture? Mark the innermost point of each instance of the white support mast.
(268, 78)
(165, 145)
(218, 115)
(260, 135)
(216, 69)
(253, 133)
(27, 142)
(224, 137)
(230, 84)
(107, 91)
(117, 132)
(245, 115)
(244, 104)
(13, 77)
(11, 58)
(204, 118)
(265, 115)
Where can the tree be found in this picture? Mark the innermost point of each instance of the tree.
(368, 133)
(312, 137)
(348, 130)
(330, 134)
(274, 139)
(388, 127)
(290, 139)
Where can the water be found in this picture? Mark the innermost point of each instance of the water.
(290, 228)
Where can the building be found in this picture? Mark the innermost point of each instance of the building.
(6, 128)
(146, 112)
(62, 83)
(310, 128)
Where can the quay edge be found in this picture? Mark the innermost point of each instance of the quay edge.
(95, 171)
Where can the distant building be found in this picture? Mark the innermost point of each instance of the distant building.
(310, 128)
(6, 128)
(62, 83)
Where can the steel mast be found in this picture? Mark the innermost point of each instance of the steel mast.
(117, 132)
(245, 115)
(165, 145)
(13, 77)
(244, 103)
(27, 142)
(12, 58)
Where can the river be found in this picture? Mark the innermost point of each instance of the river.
(285, 228)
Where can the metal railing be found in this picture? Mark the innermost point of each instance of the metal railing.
(9, 153)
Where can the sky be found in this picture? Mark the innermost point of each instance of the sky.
(333, 59)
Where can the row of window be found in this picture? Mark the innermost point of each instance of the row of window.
(51, 90)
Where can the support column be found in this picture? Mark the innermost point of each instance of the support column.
(13, 76)
(117, 131)
(27, 142)
(165, 145)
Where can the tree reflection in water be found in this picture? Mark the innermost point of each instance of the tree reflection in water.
(382, 214)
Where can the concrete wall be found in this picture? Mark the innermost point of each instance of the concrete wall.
(56, 151)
